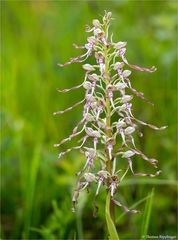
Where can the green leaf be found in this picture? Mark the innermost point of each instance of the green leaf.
(111, 227)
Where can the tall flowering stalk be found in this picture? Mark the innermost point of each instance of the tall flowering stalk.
(107, 115)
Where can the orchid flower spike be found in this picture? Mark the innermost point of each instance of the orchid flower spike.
(108, 92)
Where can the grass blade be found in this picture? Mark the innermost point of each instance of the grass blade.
(31, 190)
(146, 216)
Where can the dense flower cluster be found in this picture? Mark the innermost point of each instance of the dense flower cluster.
(108, 96)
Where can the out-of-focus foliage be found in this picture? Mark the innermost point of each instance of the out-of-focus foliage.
(36, 188)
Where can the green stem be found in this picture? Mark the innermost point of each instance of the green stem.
(108, 126)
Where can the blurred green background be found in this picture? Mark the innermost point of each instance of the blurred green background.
(36, 187)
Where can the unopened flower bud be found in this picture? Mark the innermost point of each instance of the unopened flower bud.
(97, 31)
(109, 14)
(120, 86)
(92, 133)
(96, 134)
(89, 131)
(126, 98)
(103, 173)
(96, 23)
(90, 177)
(91, 40)
(93, 77)
(90, 153)
(94, 105)
(89, 97)
(87, 85)
(121, 123)
(99, 57)
(129, 130)
(110, 87)
(120, 45)
(126, 73)
(88, 46)
(118, 65)
(101, 36)
(88, 67)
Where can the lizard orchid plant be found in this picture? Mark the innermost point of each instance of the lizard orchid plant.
(107, 115)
